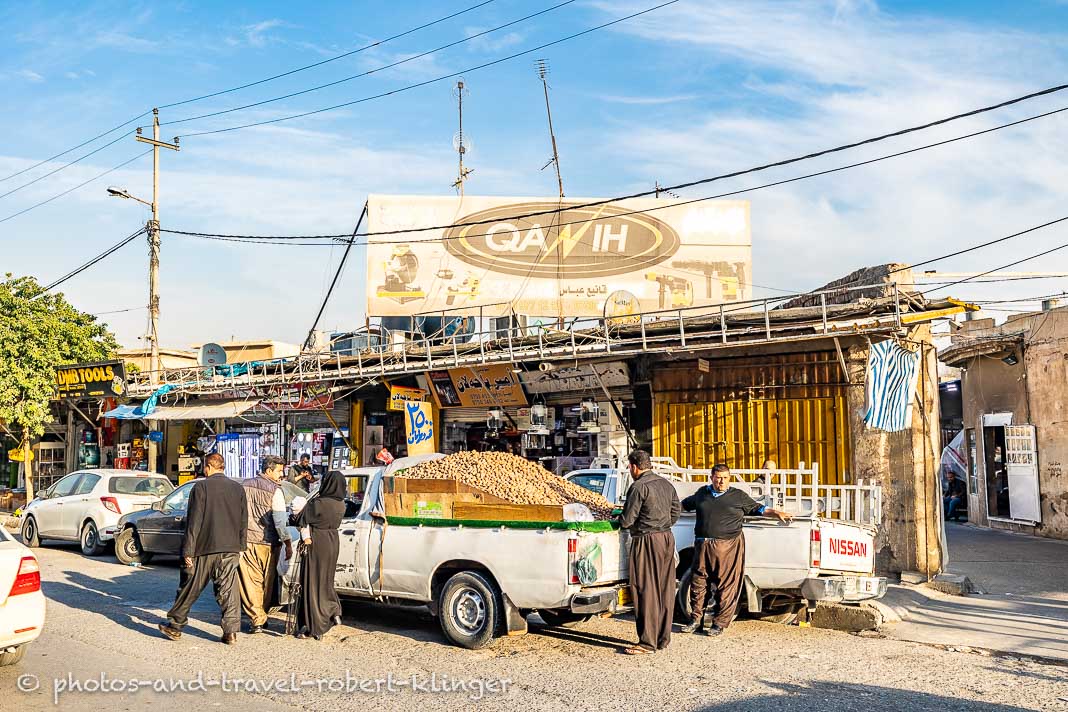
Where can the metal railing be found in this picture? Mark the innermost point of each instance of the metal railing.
(747, 322)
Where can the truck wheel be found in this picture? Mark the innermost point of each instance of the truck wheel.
(91, 544)
(128, 548)
(12, 658)
(30, 536)
(683, 611)
(779, 611)
(470, 610)
(563, 619)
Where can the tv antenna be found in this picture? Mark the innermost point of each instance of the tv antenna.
(660, 190)
(461, 143)
(543, 72)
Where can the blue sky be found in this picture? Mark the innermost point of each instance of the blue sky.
(691, 90)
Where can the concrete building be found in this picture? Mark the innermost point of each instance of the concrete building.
(1015, 392)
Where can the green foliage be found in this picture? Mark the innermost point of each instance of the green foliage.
(38, 332)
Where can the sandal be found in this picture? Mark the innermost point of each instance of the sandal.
(637, 650)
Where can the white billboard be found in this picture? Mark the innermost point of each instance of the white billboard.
(552, 257)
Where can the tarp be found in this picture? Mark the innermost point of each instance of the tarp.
(206, 411)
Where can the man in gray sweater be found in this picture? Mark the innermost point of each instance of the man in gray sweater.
(267, 532)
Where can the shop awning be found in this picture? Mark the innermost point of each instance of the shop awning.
(196, 411)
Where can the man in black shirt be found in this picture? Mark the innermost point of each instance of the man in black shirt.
(954, 494)
(652, 508)
(216, 519)
(719, 547)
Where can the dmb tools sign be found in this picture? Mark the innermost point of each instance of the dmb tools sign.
(548, 257)
(91, 380)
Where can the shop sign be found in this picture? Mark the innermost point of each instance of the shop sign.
(419, 428)
(399, 395)
(582, 378)
(91, 380)
(477, 387)
(17, 455)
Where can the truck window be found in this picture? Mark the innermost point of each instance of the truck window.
(592, 482)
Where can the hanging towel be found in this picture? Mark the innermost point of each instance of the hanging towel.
(892, 372)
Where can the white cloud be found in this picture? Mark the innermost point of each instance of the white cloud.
(646, 100)
(491, 42)
(256, 34)
(30, 75)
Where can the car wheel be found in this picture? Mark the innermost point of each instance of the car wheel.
(30, 535)
(563, 619)
(128, 549)
(774, 609)
(469, 608)
(684, 610)
(91, 544)
(12, 658)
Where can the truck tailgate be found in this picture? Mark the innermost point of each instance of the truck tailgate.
(613, 554)
(846, 547)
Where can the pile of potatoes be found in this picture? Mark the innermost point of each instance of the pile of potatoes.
(511, 478)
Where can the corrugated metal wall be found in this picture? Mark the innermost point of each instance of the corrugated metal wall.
(790, 408)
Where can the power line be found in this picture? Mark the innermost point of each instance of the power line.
(999, 280)
(80, 185)
(75, 148)
(326, 61)
(996, 269)
(337, 275)
(118, 311)
(103, 255)
(64, 166)
(981, 245)
(283, 239)
(437, 79)
(367, 73)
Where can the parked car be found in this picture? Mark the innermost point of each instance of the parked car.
(159, 529)
(22, 605)
(86, 506)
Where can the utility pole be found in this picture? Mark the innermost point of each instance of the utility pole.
(153, 266)
(543, 71)
(460, 142)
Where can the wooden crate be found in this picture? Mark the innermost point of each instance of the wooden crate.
(509, 512)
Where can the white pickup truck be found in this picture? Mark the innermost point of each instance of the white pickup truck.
(826, 553)
(480, 579)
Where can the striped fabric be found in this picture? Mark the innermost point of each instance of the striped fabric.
(892, 372)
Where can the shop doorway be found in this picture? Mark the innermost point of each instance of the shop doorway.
(1011, 461)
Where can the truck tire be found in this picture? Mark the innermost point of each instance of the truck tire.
(682, 600)
(469, 608)
(30, 536)
(128, 548)
(777, 610)
(12, 658)
(90, 539)
(563, 619)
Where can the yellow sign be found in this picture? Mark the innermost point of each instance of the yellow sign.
(419, 428)
(16, 455)
(478, 387)
(399, 395)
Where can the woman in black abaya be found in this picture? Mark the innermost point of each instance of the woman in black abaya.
(318, 608)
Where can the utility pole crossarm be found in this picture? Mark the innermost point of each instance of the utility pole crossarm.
(159, 144)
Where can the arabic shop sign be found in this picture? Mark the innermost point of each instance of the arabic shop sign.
(399, 395)
(419, 428)
(477, 387)
(91, 380)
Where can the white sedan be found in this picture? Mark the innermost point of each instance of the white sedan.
(22, 605)
(85, 506)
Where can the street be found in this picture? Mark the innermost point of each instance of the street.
(101, 633)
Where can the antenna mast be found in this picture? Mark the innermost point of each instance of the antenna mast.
(543, 71)
(459, 142)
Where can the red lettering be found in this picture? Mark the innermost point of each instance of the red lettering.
(848, 548)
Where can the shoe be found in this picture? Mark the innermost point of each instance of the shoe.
(637, 650)
(253, 629)
(229, 638)
(714, 631)
(337, 620)
(691, 627)
(301, 636)
(169, 632)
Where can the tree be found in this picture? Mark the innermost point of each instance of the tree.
(38, 332)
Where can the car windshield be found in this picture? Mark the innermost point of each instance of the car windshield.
(148, 486)
(291, 491)
(594, 483)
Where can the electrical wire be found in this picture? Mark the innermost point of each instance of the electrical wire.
(326, 61)
(64, 166)
(80, 185)
(998, 280)
(281, 239)
(103, 255)
(435, 80)
(118, 311)
(996, 269)
(367, 73)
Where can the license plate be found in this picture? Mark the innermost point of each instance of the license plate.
(623, 596)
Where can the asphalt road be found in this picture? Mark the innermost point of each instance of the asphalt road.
(101, 633)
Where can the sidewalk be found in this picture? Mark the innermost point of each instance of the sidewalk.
(1022, 607)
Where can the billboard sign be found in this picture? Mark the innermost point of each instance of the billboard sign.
(484, 386)
(91, 380)
(547, 257)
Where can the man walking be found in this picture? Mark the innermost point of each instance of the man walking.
(211, 550)
(651, 509)
(719, 547)
(267, 520)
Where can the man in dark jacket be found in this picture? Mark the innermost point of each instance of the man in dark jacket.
(267, 520)
(651, 509)
(211, 550)
(719, 547)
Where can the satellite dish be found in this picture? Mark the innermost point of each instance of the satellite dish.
(212, 355)
(621, 308)
(461, 143)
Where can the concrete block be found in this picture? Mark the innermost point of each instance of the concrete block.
(851, 619)
(953, 584)
(913, 577)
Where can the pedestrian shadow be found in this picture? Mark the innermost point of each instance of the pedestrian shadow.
(108, 599)
(412, 622)
(578, 635)
(833, 695)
